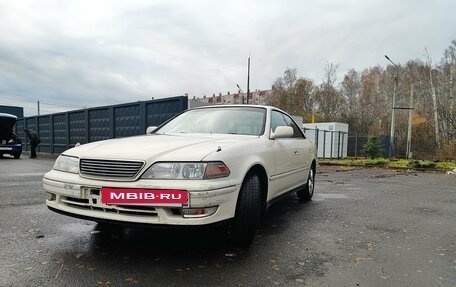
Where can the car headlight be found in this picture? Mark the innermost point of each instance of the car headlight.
(67, 164)
(186, 170)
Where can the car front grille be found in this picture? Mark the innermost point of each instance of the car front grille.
(114, 169)
(96, 206)
(93, 203)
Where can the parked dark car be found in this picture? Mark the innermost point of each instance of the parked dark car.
(9, 142)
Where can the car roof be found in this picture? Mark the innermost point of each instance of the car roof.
(237, 106)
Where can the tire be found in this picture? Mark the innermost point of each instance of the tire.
(17, 155)
(307, 192)
(248, 211)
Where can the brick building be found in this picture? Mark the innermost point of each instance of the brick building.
(256, 97)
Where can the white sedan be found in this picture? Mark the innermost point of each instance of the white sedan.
(207, 165)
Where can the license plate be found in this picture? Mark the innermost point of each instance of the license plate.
(144, 196)
(6, 148)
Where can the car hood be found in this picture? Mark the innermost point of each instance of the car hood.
(7, 122)
(152, 148)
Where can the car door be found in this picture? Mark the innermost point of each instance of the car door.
(291, 162)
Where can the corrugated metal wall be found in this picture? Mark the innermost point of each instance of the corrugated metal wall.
(61, 131)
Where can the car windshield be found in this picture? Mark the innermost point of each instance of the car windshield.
(223, 120)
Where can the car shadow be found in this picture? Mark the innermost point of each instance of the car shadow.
(142, 241)
(158, 252)
(283, 213)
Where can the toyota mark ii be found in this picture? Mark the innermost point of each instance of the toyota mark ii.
(206, 165)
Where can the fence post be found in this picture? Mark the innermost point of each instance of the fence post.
(51, 134)
(317, 134)
(67, 116)
(37, 132)
(324, 143)
(112, 123)
(142, 117)
(332, 145)
(343, 142)
(338, 144)
(356, 145)
(87, 125)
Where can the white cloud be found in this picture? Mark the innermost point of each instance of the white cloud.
(91, 53)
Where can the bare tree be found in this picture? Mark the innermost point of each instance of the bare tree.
(351, 88)
(363, 99)
(434, 100)
(329, 101)
(292, 94)
(446, 76)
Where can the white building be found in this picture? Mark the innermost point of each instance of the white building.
(331, 139)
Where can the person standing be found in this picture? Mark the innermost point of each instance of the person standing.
(34, 142)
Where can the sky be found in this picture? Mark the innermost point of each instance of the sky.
(75, 54)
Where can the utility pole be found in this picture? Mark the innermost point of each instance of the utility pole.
(393, 114)
(248, 79)
(38, 107)
(409, 131)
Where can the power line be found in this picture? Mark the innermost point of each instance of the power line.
(16, 97)
(5, 94)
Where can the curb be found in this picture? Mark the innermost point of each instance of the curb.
(387, 167)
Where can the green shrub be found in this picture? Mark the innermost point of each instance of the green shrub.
(372, 148)
(422, 164)
(377, 162)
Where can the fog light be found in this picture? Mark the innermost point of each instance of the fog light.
(198, 212)
(50, 196)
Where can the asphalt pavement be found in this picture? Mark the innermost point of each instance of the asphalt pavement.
(365, 227)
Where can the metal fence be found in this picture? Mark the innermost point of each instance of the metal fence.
(338, 144)
(357, 141)
(61, 131)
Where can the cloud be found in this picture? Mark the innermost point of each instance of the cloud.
(101, 52)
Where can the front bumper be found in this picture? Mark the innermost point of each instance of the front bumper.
(80, 197)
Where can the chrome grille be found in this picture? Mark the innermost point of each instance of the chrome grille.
(110, 168)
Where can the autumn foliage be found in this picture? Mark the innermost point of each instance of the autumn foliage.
(363, 99)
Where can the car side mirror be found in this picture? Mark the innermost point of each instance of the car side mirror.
(150, 130)
(282, 132)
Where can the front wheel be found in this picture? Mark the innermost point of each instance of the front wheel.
(248, 210)
(306, 193)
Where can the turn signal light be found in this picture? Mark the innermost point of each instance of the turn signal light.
(198, 212)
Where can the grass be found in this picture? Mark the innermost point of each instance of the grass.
(393, 163)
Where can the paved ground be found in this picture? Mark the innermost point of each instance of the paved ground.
(365, 227)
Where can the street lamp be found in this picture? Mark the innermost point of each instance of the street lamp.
(393, 114)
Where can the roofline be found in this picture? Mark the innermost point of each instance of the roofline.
(238, 106)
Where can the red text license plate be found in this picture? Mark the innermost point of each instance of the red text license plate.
(143, 196)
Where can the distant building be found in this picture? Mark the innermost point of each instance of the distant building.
(13, 110)
(255, 98)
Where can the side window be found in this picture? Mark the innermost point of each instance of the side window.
(280, 119)
(277, 119)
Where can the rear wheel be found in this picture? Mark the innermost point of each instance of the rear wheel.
(306, 193)
(248, 210)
